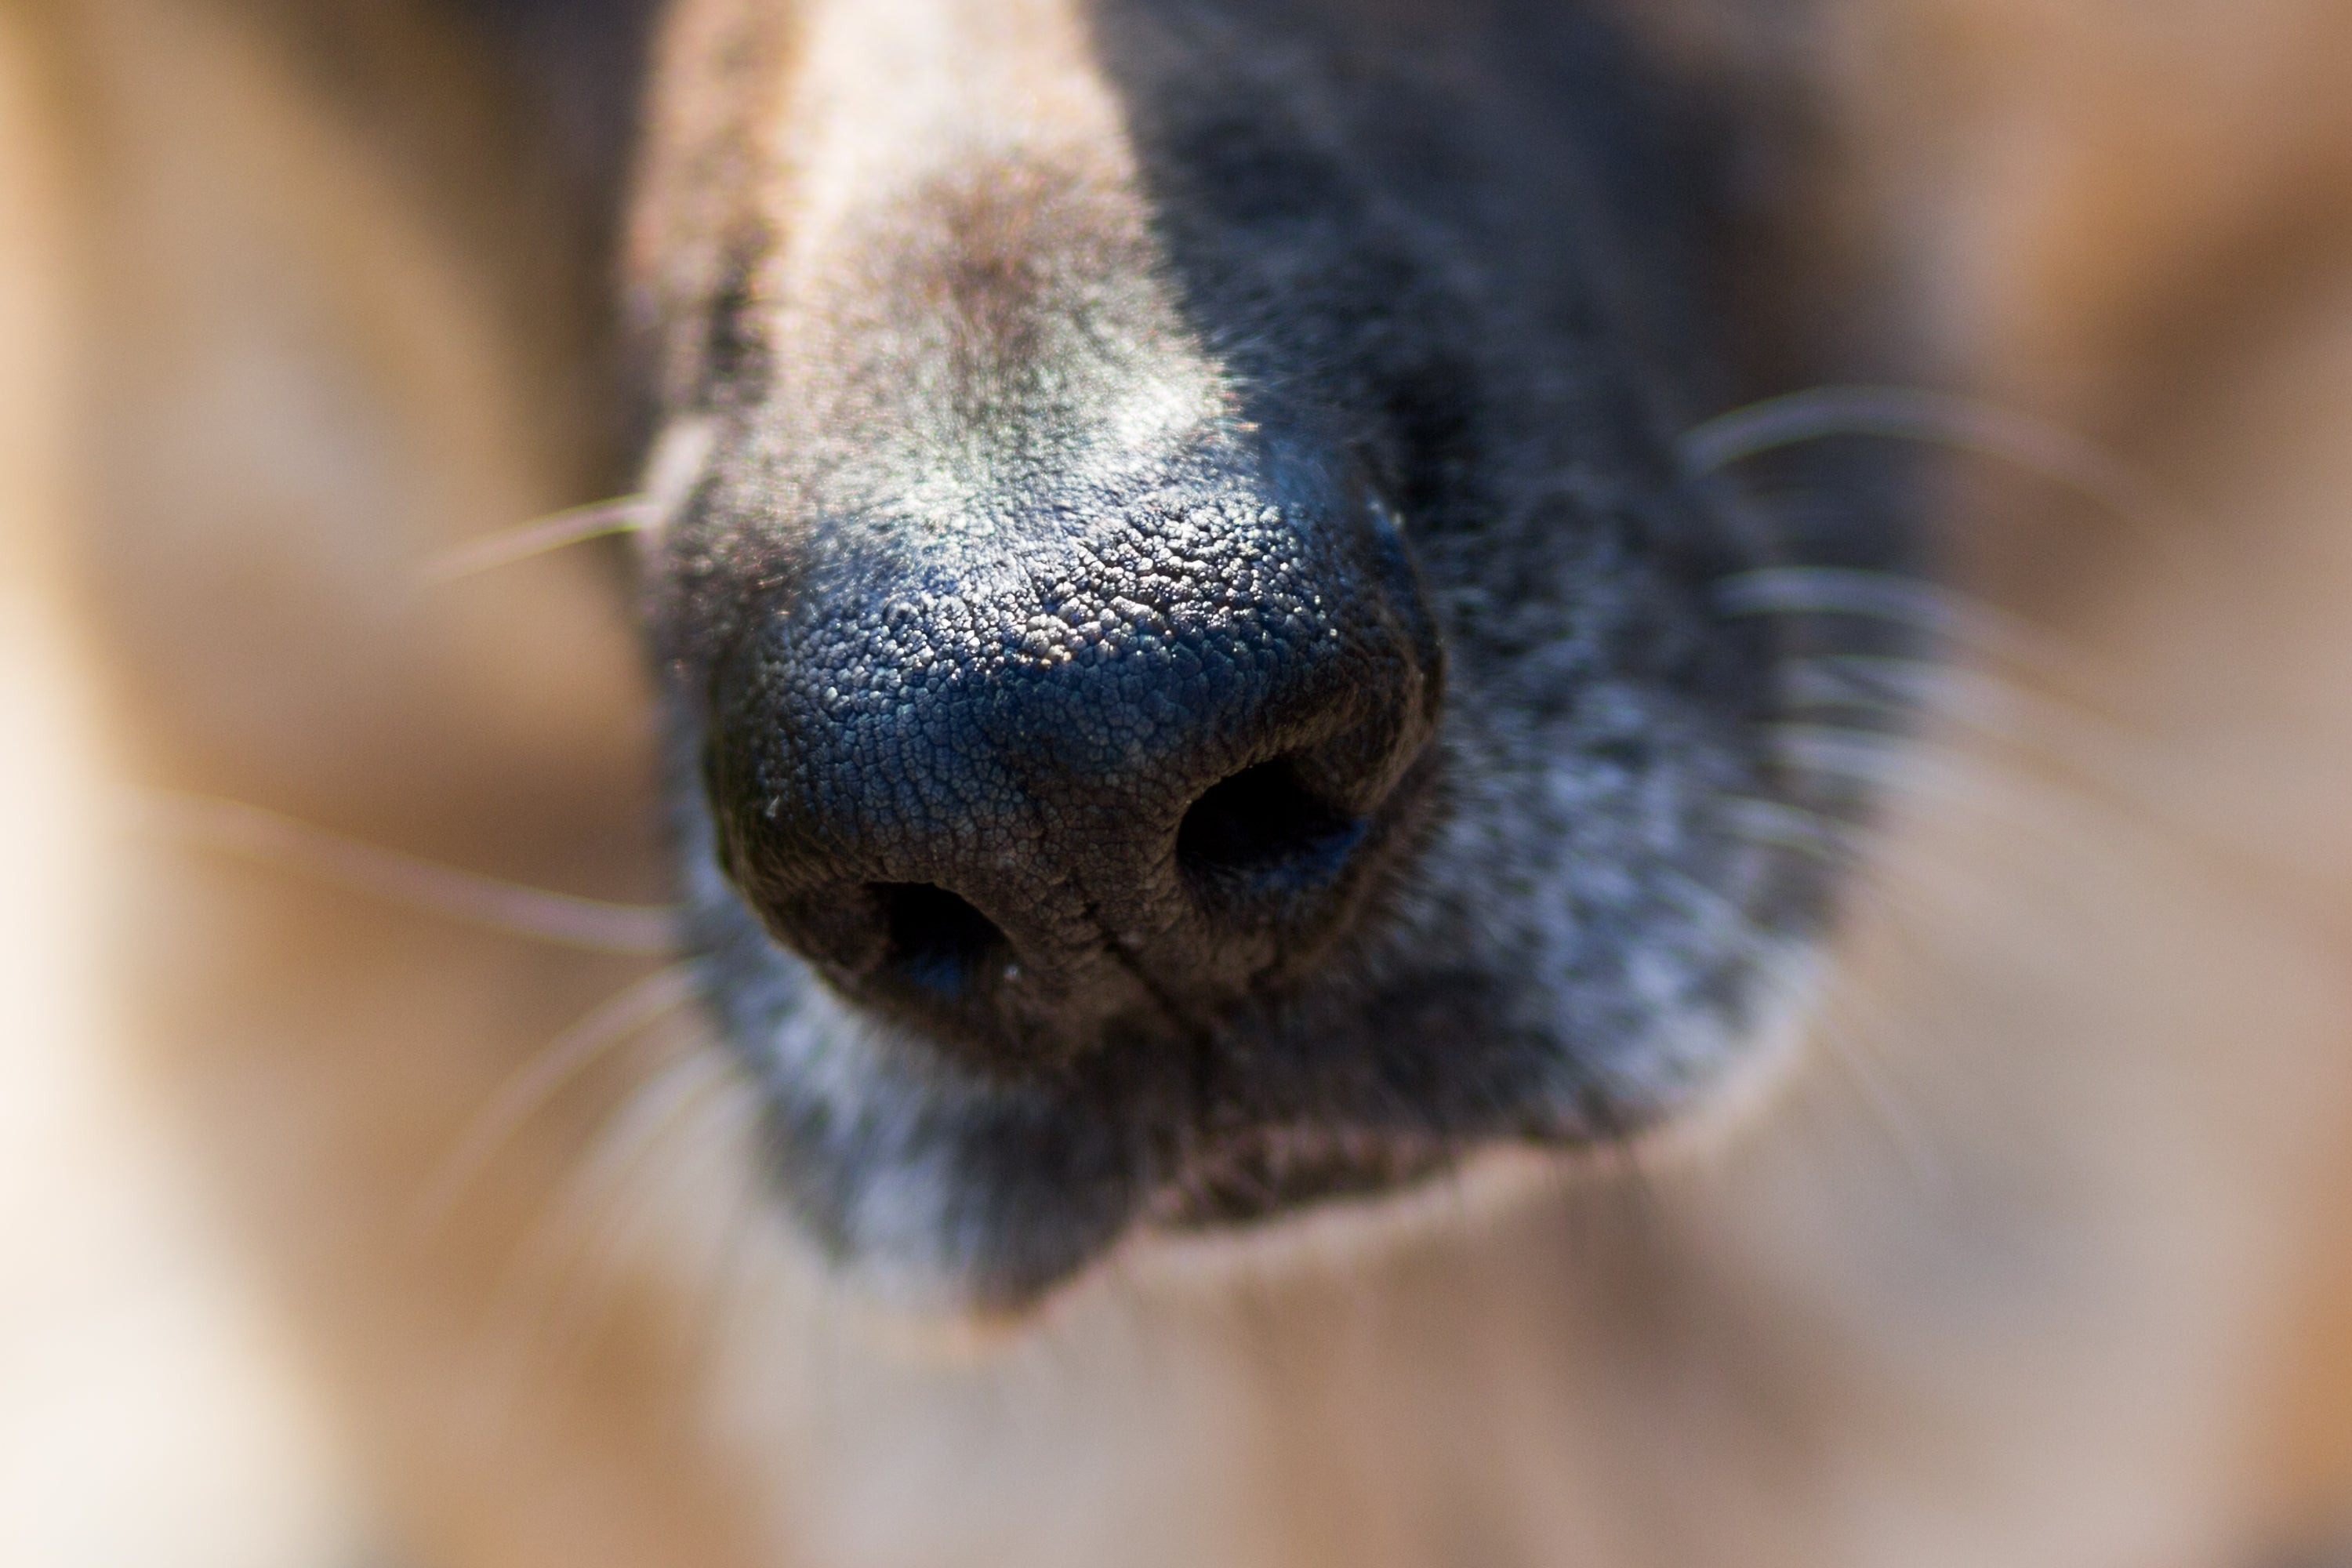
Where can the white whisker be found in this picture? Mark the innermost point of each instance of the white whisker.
(575, 525)
(642, 1117)
(1893, 1111)
(1775, 825)
(724, 1278)
(536, 1080)
(1868, 682)
(2098, 748)
(235, 828)
(1912, 414)
(1939, 614)
(1861, 755)
(710, 1107)
(2029, 806)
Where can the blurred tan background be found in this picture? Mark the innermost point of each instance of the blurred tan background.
(150, 1409)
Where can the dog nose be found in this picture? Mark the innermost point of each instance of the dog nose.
(1015, 782)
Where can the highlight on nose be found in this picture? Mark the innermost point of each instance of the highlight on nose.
(1016, 785)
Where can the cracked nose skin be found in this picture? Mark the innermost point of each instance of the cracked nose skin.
(1016, 778)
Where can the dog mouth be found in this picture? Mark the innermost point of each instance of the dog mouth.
(1264, 1174)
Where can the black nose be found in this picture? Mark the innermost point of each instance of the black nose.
(1016, 777)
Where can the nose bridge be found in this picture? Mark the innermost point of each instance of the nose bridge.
(971, 261)
(885, 89)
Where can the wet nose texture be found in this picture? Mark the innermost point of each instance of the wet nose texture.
(1034, 781)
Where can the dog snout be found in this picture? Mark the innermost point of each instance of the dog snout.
(1020, 784)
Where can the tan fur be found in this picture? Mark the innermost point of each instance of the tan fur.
(2038, 1259)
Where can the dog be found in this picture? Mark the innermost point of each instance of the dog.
(1371, 783)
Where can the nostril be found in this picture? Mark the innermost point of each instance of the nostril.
(937, 939)
(1264, 830)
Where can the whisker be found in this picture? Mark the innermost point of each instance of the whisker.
(1898, 689)
(1904, 1130)
(710, 1111)
(2097, 746)
(549, 1254)
(1775, 825)
(1932, 902)
(725, 1277)
(1843, 591)
(1935, 611)
(536, 1081)
(575, 525)
(1914, 893)
(235, 828)
(1862, 756)
(2044, 817)
(1868, 683)
(1913, 414)
(1914, 769)
(1905, 1127)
